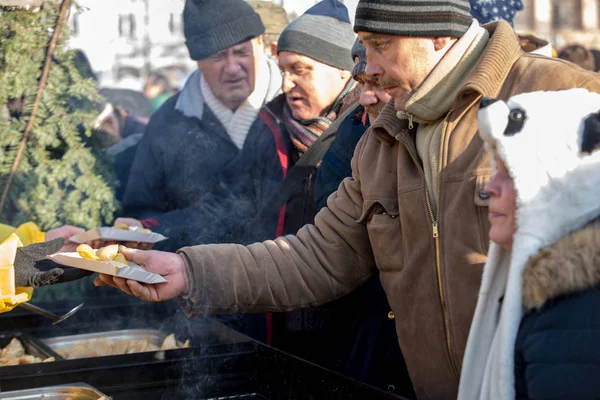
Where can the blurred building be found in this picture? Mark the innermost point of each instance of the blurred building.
(126, 39)
(563, 22)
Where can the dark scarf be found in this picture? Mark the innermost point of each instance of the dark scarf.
(304, 133)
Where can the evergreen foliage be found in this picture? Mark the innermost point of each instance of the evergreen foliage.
(63, 176)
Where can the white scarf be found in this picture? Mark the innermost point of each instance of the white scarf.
(238, 123)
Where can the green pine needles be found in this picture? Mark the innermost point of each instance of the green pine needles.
(62, 177)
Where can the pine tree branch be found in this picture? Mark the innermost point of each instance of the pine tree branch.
(64, 8)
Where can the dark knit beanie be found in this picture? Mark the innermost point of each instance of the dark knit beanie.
(323, 33)
(210, 26)
(417, 18)
(359, 51)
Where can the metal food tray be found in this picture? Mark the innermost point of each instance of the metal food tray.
(154, 336)
(32, 346)
(76, 391)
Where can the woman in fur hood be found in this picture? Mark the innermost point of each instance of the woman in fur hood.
(536, 329)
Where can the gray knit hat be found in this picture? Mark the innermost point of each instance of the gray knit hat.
(210, 26)
(323, 33)
(421, 18)
(359, 51)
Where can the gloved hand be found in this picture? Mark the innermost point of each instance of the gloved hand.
(32, 269)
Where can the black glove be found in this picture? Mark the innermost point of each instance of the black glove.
(34, 270)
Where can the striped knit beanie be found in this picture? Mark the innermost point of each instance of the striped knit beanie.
(359, 51)
(323, 33)
(211, 26)
(417, 18)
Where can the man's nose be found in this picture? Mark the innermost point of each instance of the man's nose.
(373, 69)
(367, 97)
(232, 66)
(286, 83)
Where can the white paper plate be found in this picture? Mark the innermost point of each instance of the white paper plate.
(133, 271)
(118, 235)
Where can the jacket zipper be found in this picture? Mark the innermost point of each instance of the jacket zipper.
(436, 237)
(435, 226)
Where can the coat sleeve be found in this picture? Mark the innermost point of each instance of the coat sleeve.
(321, 263)
(556, 352)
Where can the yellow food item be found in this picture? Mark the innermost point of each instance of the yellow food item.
(8, 250)
(144, 230)
(122, 226)
(120, 258)
(87, 253)
(108, 253)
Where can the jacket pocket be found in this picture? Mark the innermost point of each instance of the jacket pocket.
(481, 199)
(381, 218)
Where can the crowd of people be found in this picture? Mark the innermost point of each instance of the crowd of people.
(413, 207)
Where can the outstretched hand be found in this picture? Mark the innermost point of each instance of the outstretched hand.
(65, 232)
(171, 266)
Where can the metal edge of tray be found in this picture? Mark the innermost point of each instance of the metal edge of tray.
(154, 336)
(82, 391)
(32, 345)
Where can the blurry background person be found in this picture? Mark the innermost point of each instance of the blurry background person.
(336, 162)
(579, 55)
(157, 89)
(212, 123)
(203, 128)
(275, 19)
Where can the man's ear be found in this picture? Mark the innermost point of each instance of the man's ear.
(590, 140)
(441, 42)
(272, 49)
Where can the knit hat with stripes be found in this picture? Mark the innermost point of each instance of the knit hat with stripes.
(417, 18)
(323, 33)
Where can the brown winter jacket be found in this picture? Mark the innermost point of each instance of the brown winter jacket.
(380, 218)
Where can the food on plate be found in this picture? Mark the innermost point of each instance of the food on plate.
(106, 253)
(111, 347)
(121, 259)
(86, 252)
(14, 354)
(126, 227)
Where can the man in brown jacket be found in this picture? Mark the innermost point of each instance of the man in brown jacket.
(414, 208)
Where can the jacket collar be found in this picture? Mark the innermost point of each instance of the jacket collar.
(555, 272)
(490, 73)
(486, 79)
(191, 101)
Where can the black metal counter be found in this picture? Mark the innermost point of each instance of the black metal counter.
(220, 364)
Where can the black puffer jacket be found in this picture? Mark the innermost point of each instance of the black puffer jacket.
(557, 352)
